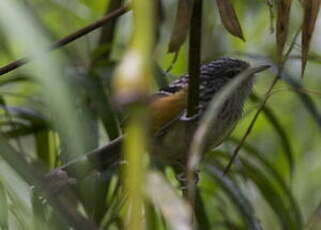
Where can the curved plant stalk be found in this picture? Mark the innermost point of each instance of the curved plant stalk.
(210, 117)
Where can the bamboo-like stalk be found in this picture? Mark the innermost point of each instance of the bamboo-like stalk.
(133, 82)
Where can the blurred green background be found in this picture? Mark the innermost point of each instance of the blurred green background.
(62, 103)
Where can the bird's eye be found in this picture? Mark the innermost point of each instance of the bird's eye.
(232, 73)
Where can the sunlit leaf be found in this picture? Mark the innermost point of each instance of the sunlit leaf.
(229, 18)
(282, 24)
(311, 10)
(181, 27)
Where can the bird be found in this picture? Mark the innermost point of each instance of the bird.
(171, 132)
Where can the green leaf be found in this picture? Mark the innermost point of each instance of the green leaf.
(4, 208)
(46, 147)
(274, 177)
(285, 141)
(278, 201)
(26, 114)
(240, 201)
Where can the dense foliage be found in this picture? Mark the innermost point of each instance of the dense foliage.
(62, 105)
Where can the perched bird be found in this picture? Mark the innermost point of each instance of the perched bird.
(171, 132)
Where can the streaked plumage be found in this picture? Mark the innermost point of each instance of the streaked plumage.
(173, 136)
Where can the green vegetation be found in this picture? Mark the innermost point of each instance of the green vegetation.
(87, 70)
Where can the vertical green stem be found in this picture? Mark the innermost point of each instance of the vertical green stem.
(134, 149)
(133, 87)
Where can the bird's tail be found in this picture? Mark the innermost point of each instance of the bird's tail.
(101, 159)
(106, 156)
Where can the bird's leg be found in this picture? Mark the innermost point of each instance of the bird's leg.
(181, 176)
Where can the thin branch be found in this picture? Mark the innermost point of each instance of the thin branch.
(267, 96)
(194, 58)
(70, 38)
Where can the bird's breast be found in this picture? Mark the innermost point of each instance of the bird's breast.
(172, 145)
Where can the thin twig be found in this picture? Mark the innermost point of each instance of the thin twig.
(173, 62)
(70, 38)
(267, 96)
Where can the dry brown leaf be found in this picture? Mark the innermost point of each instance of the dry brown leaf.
(182, 22)
(311, 10)
(229, 18)
(282, 22)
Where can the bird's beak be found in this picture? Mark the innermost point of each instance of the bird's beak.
(257, 69)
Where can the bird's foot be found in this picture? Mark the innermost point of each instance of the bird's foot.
(187, 118)
(183, 179)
